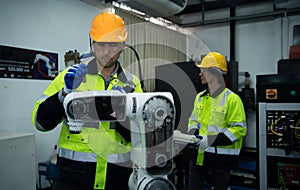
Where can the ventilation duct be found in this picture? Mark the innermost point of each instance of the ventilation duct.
(156, 8)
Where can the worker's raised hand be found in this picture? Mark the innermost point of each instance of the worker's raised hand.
(74, 76)
(119, 88)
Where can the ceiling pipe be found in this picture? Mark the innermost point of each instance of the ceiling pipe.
(281, 13)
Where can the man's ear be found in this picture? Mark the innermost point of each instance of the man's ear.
(122, 48)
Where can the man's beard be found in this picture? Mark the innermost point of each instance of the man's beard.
(108, 63)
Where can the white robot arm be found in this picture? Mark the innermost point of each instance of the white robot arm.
(152, 118)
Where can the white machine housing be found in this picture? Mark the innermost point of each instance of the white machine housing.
(152, 118)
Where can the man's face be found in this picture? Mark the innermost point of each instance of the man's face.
(107, 53)
(204, 75)
(211, 75)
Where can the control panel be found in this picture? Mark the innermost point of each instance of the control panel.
(279, 145)
(283, 130)
(278, 131)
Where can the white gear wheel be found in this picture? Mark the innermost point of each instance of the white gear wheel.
(155, 110)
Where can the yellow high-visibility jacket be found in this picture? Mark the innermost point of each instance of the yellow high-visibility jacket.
(215, 115)
(94, 144)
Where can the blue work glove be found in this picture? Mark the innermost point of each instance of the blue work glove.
(119, 88)
(203, 143)
(74, 76)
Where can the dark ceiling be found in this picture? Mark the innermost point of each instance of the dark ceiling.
(198, 12)
(268, 8)
(195, 6)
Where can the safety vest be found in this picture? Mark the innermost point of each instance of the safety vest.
(99, 143)
(222, 114)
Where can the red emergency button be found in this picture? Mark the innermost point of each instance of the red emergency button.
(271, 94)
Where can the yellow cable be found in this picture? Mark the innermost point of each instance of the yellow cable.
(272, 125)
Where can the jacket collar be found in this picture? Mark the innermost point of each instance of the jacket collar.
(215, 94)
(218, 91)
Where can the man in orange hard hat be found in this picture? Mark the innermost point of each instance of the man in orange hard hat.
(97, 157)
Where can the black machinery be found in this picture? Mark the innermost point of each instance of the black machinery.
(278, 131)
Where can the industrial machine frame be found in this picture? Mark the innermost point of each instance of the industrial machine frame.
(264, 150)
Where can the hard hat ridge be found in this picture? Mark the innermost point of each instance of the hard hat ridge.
(108, 27)
(214, 59)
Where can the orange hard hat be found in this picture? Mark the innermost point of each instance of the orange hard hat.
(214, 59)
(108, 27)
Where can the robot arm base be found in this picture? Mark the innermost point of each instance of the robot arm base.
(141, 180)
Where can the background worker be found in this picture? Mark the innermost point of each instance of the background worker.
(95, 158)
(219, 118)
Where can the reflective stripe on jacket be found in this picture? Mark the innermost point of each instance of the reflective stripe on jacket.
(91, 157)
(222, 114)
